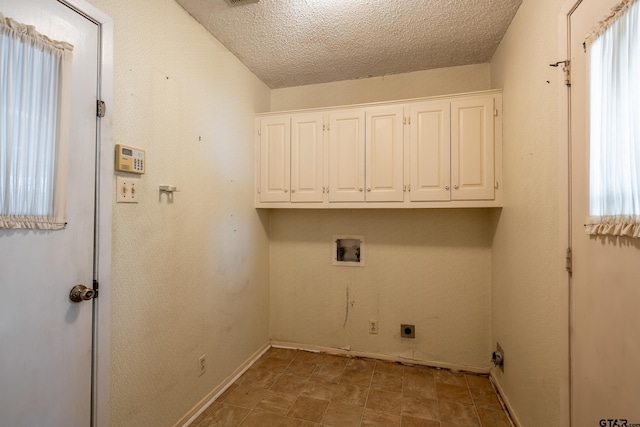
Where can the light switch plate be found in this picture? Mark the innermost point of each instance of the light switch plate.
(127, 190)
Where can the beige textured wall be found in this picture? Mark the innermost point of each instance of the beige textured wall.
(426, 267)
(189, 277)
(418, 84)
(526, 262)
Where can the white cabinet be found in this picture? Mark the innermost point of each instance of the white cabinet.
(472, 148)
(366, 155)
(384, 154)
(307, 152)
(439, 152)
(346, 155)
(275, 151)
(452, 149)
(430, 151)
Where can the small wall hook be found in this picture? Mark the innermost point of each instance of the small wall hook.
(168, 189)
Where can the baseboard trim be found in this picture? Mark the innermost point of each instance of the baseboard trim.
(377, 356)
(504, 400)
(201, 406)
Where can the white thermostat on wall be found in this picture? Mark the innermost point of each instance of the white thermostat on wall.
(129, 159)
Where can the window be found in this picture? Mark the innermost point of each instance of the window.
(614, 129)
(34, 81)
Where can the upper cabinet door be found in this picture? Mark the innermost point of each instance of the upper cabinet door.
(307, 157)
(275, 160)
(430, 134)
(472, 149)
(346, 155)
(384, 154)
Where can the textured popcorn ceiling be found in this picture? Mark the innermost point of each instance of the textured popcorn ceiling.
(298, 42)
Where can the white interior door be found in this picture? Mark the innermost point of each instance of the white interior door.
(45, 339)
(605, 285)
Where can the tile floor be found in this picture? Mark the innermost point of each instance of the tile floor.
(293, 388)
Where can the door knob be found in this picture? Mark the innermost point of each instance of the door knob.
(81, 293)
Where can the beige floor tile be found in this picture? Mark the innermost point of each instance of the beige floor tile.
(454, 393)
(350, 394)
(447, 377)
(276, 403)
(361, 365)
(419, 370)
(389, 368)
(419, 386)
(227, 392)
(292, 422)
(493, 418)
(418, 422)
(360, 378)
(246, 397)
(379, 419)
(458, 414)
(222, 415)
(293, 388)
(308, 356)
(418, 379)
(318, 390)
(417, 407)
(258, 418)
(479, 381)
(385, 382)
(339, 415)
(486, 398)
(258, 378)
(281, 353)
(334, 361)
(272, 364)
(384, 401)
(289, 384)
(308, 409)
(329, 374)
(302, 369)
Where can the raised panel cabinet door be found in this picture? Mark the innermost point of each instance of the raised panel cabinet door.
(275, 159)
(307, 158)
(384, 154)
(472, 149)
(430, 154)
(346, 155)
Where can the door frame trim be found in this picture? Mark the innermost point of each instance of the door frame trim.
(564, 178)
(101, 381)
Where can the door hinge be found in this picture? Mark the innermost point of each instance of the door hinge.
(569, 261)
(96, 287)
(101, 109)
(495, 112)
(259, 132)
(566, 67)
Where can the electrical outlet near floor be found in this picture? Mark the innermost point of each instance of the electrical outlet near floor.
(202, 364)
(373, 326)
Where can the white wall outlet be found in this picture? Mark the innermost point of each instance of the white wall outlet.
(127, 190)
(202, 364)
(373, 326)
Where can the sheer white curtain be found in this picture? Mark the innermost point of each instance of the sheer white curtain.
(614, 49)
(34, 110)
